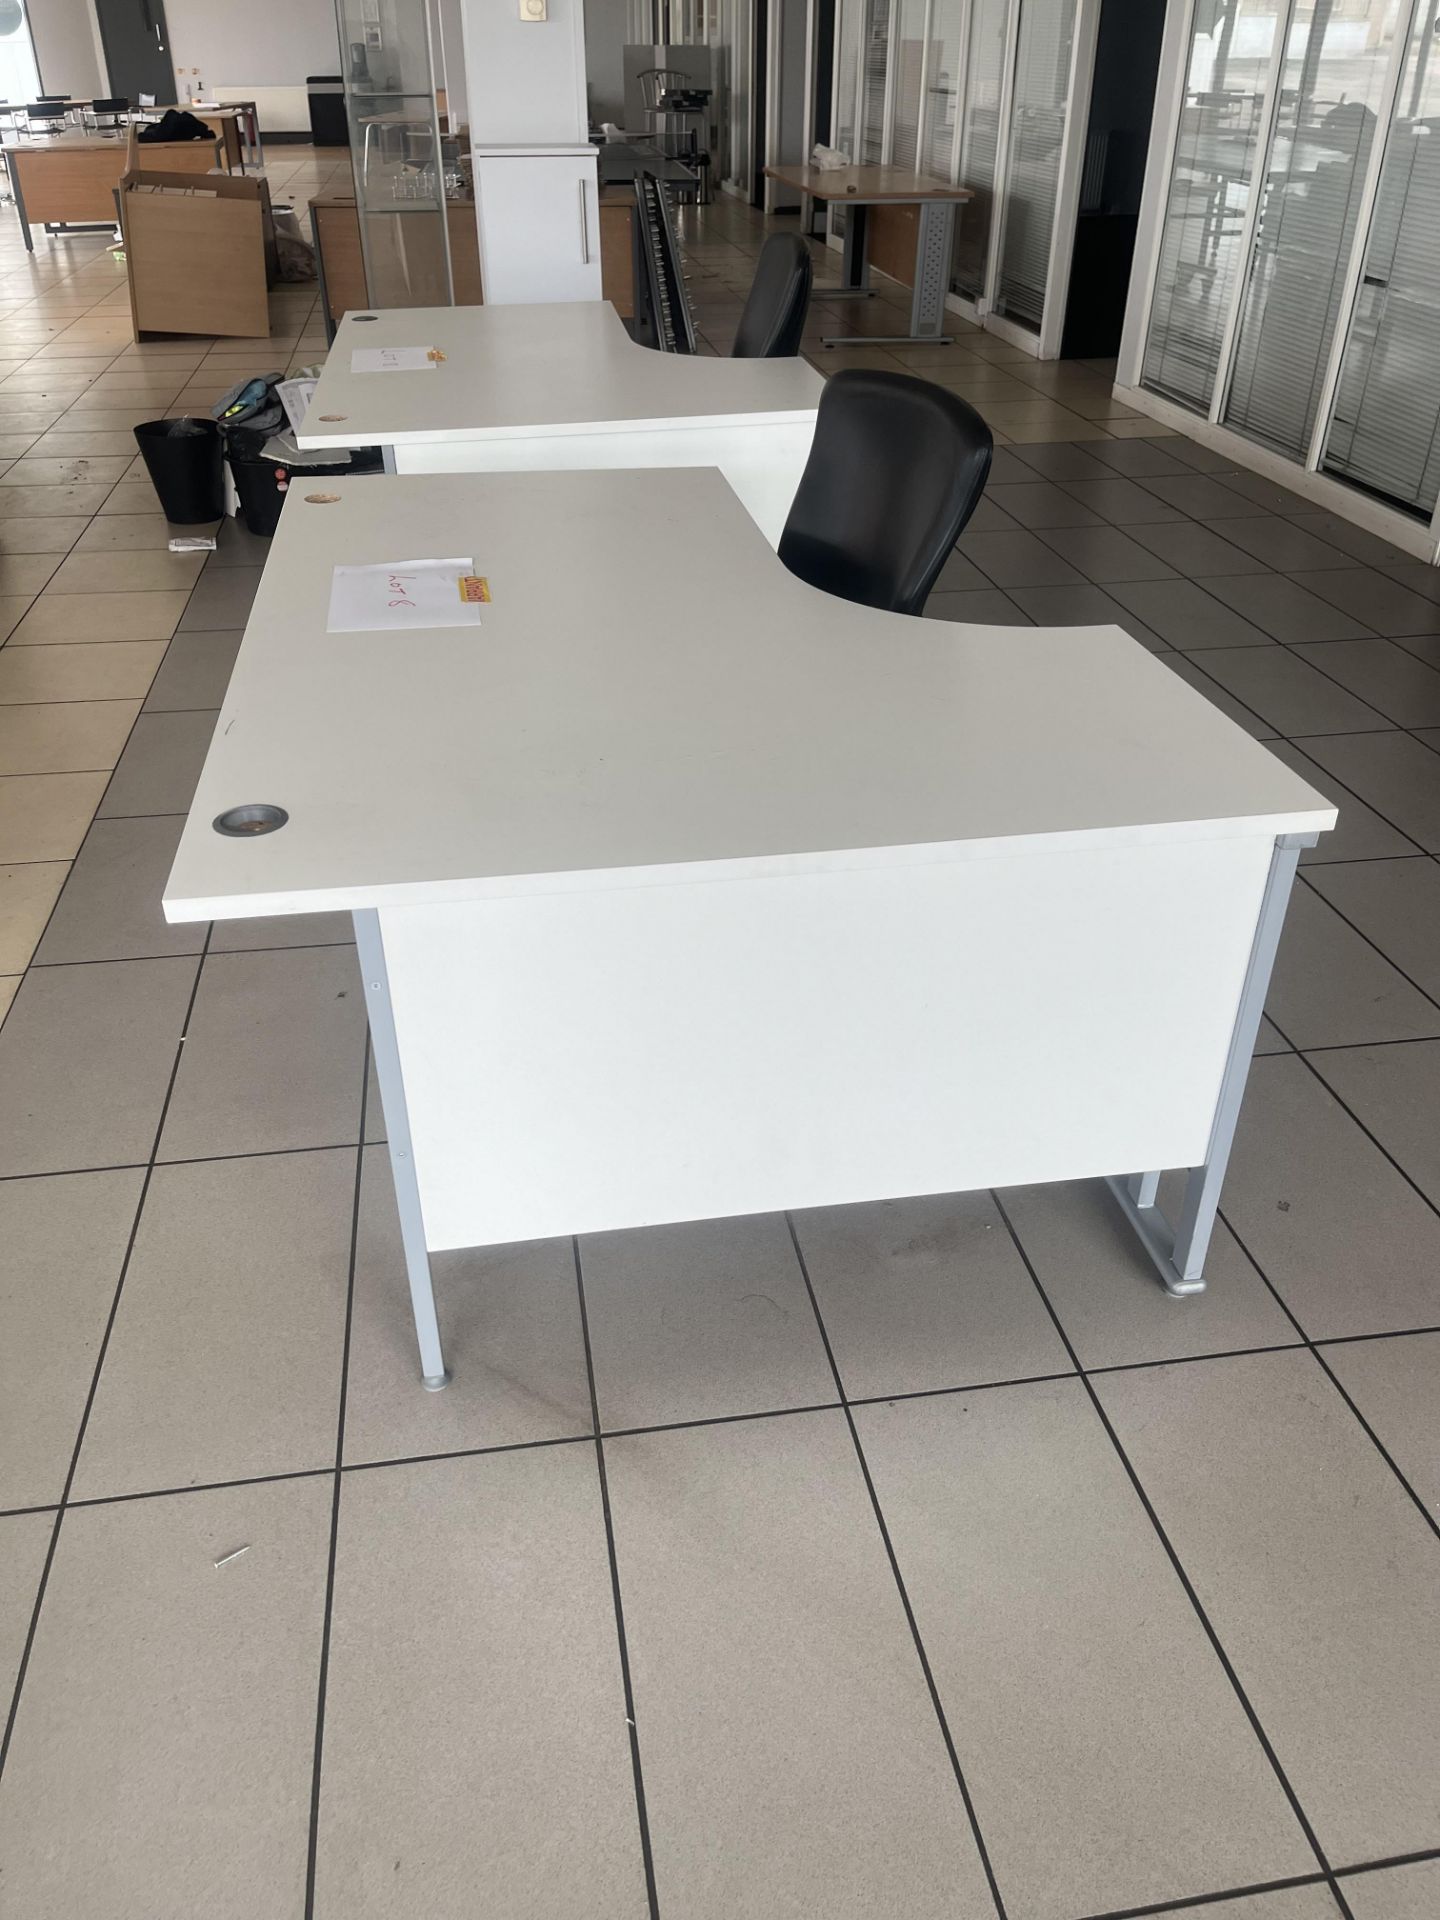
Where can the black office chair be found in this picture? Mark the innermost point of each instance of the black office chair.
(779, 298)
(107, 116)
(895, 470)
(46, 116)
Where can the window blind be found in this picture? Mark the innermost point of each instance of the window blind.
(1037, 128)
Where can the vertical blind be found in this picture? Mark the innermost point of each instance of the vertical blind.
(980, 138)
(1385, 428)
(1037, 130)
(1331, 83)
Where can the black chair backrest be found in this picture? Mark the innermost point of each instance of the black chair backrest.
(779, 298)
(109, 106)
(894, 473)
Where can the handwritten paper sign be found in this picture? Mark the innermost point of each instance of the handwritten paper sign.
(391, 360)
(403, 594)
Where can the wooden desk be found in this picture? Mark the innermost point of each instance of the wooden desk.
(335, 228)
(934, 202)
(69, 180)
(562, 385)
(684, 890)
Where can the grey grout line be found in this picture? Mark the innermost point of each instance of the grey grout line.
(1217, 1645)
(1190, 1901)
(935, 1701)
(322, 1683)
(627, 1685)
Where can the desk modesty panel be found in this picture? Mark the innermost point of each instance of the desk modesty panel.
(785, 903)
(563, 386)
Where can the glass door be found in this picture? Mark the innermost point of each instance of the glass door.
(1333, 80)
(1037, 133)
(980, 141)
(1385, 424)
(1206, 220)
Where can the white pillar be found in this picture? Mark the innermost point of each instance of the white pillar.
(536, 191)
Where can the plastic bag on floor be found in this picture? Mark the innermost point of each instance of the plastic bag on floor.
(294, 254)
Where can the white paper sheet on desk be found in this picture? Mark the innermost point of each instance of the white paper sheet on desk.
(391, 360)
(400, 595)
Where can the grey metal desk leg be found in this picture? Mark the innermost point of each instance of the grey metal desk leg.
(402, 1154)
(16, 189)
(855, 260)
(387, 455)
(1179, 1251)
(934, 250)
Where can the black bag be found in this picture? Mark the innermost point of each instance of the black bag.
(176, 125)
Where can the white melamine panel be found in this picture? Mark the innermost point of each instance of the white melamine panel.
(539, 221)
(762, 463)
(556, 368)
(651, 697)
(578, 1062)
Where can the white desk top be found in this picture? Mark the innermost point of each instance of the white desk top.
(511, 371)
(651, 697)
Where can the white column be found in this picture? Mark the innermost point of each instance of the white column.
(536, 190)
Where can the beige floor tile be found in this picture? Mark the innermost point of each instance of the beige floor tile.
(26, 502)
(1281, 1903)
(1396, 1385)
(62, 1248)
(69, 737)
(274, 1055)
(27, 894)
(1317, 1574)
(126, 532)
(66, 442)
(53, 471)
(9, 987)
(1396, 1893)
(13, 608)
(1025, 1553)
(793, 1762)
(224, 1360)
(130, 497)
(24, 1543)
(26, 573)
(166, 1734)
(44, 816)
(921, 1294)
(709, 1318)
(110, 907)
(472, 1713)
(114, 670)
(86, 1055)
(127, 572)
(510, 1321)
(12, 445)
(58, 618)
(160, 767)
(1102, 1285)
(88, 416)
(45, 533)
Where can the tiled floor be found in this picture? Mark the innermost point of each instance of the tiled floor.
(931, 1562)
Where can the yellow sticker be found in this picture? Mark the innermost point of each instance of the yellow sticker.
(474, 587)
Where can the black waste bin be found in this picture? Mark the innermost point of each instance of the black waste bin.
(184, 459)
(328, 124)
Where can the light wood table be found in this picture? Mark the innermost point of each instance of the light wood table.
(857, 189)
(683, 890)
(68, 180)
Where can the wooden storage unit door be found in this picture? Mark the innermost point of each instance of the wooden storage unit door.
(199, 254)
(337, 236)
(893, 232)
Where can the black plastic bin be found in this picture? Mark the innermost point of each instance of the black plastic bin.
(262, 484)
(185, 461)
(329, 126)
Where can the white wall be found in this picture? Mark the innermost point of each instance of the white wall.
(66, 48)
(242, 45)
(525, 79)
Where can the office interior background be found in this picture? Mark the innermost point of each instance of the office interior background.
(919, 1558)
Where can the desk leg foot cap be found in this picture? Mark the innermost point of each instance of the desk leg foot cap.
(433, 1382)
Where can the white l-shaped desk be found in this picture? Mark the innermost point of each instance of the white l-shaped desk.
(790, 903)
(563, 386)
